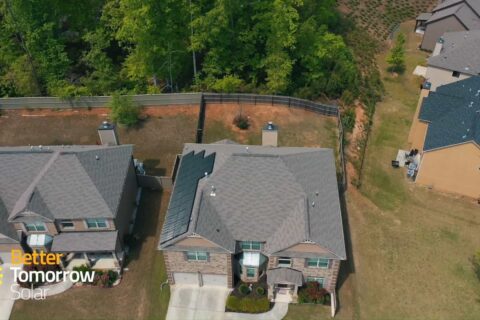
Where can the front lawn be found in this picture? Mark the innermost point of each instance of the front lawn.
(249, 298)
(138, 296)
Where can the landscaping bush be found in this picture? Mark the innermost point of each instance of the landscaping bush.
(83, 269)
(260, 291)
(241, 121)
(124, 110)
(233, 303)
(312, 293)
(244, 289)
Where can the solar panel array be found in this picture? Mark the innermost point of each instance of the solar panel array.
(192, 168)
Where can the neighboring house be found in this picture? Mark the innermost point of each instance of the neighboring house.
(75, 200)
(250, 212)
(448, 16)
(455, 57)
(446, 130)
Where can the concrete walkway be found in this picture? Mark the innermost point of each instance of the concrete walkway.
(208, 303)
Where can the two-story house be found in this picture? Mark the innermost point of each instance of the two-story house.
(75, 200)
(254, 213)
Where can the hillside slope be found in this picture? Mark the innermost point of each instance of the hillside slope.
(380, 17)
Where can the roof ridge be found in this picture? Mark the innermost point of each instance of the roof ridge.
(24, 199)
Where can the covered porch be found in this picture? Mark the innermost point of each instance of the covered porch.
(283, 284)
(97, 250)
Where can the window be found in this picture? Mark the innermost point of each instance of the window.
(250, 245)
(197, 256)
(284, 262)
(67, 224)
(456, 74)
(35, 226)
(320, 281)
(317, 263)
(96, 223)
(251, 272)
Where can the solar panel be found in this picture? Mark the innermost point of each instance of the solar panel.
(192, 168)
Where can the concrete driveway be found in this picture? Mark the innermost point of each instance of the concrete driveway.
(208, 303)
(6, 295)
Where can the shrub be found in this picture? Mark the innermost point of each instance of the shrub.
(124, 110)
(476, 264)
(83, 269)
(233, 303)
(112, 277)
(244, 289)
(260, 291)
(228, 84)
(241, 121)
(348, 119)
(312, 293)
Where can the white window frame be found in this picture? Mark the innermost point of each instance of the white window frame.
(254, 272)
(250, 245)
(320, 280)
(318, 265)
(195, 255)
(284, 265)
(61, 222)
(36, 225)
(96, 222)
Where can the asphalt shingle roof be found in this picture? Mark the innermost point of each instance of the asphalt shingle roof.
(466, 11)
(453, 113)
(85, 241)
(281, 275)
(281, 196)
(62, 182)
(459, 52)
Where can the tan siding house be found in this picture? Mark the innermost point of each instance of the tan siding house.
(446, 131)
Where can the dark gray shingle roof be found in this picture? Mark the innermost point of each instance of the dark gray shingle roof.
(462, 10)
(453, 113)
(63, 182)
(284, 275)
(266, 194)
(459, 52)
(85, 241)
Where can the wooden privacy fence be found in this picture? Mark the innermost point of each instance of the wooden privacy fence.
(98, 101)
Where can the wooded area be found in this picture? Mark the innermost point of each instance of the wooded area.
(68, 48)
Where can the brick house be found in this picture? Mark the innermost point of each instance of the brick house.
(254, 213)
(75, 200)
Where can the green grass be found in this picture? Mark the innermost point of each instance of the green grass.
(411, 246)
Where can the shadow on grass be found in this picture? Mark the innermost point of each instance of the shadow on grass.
(152, 169)
(347, 267)
(146, 223)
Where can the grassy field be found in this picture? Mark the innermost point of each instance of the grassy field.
(296, 127)
(411, 245)
(137, 297)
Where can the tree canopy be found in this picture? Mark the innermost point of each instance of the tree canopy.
(96, 47)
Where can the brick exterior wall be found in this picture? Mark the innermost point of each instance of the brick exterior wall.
(330, 274)
(218, 263)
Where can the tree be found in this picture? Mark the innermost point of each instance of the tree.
(396, 57)
(124, 110)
